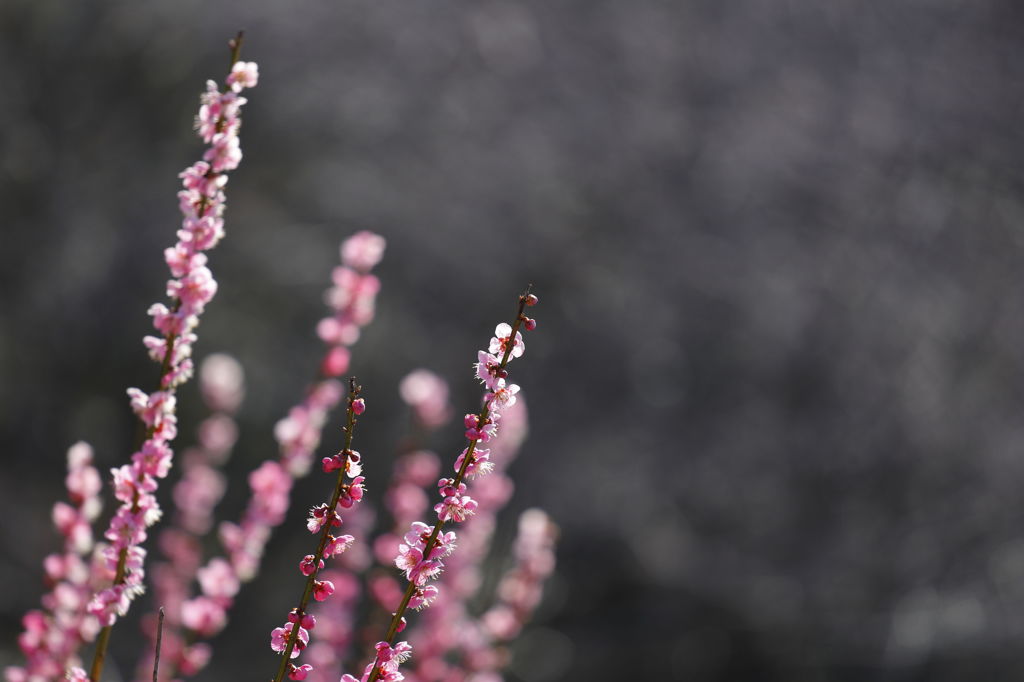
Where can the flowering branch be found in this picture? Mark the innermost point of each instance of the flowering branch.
(53, 634)
(86, 601)
(421, 556)
(294, 636)
(191, 288)
(201, 487)
(450, 637)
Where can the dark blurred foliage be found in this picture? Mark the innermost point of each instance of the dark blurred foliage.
(776, 389)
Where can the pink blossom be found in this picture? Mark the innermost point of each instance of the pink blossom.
(419, 468)
(488, 371)
(195, 289)
(385, 590)
(338, 545)
(417, 534)
(455, 508)
(389, 658)
(307, 620)
(126, 528)
(180, 260)
(279, 639)
(83, 481)
(505, 397)
(322, 589)
(271, 485)
(479, 463)
(363, 250)
(218, 580)
(408, 558)
(500, 341)
(427, 394)
(243, 75)
(309, 565)
(423, 597)
(154, 459)
(77, 674)
(336, 362)
(221, 380)
(203, 615)
(424, 571)
(332, 463)
(225, 153)
(198, 178)
(217, 435)
(318, 517)
(107, 604)
(194, 658)
(444, 544)
(406, 501)
(70, 523)
(202, 233)
(195, 495)
(352, 493)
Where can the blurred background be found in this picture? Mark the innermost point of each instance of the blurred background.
(777, 387)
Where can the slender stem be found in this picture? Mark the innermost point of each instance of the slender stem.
(339, 488)
(236, 48)
(103, 639)
(410, 589)
(159, 643)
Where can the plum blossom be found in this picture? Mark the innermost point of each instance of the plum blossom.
(501, 339)
(279, 639)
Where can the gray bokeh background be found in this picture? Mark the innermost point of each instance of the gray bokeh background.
(776, 390)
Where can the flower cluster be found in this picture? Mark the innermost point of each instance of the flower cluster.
(451, 638)
(405, 500)
(352, 299)
(427, 395)
(458, 646)
(54, 633)
(92, 586)
(421, 555)
(291, 638)
(200, 488)
(192, 286)
(270, 483)
(520, 589)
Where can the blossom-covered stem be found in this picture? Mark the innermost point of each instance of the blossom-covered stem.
(195, 495)
(397, 619)
(354, 405)
(165, 365)
(53, 633)
(193, 286)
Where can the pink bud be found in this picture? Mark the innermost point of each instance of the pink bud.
(309, 565)
(299, 673)
(530, 324)
(359, 406)
(322, 589)
(531, 300)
